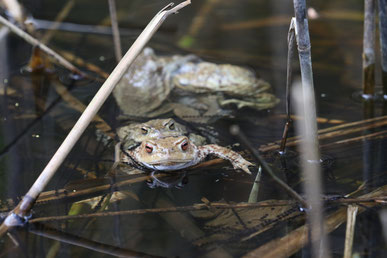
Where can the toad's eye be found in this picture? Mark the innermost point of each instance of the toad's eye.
(184, 146)
(148, 148)
(172, 126)
(144, 130)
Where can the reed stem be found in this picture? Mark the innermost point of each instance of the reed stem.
(116, 32)
(369, 49)
(304, 53)
(312, 173)
(36, 43)
(383, 42)
(23, 208)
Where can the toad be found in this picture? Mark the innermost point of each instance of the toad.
(176, 153)
(193, 89)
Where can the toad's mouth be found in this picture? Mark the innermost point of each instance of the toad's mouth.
(169, 165)
(169, 162)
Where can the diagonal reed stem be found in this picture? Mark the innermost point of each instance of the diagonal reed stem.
(36, 43)
(23, 208)
(236, 131)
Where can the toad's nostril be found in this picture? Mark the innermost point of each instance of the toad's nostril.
(148, 148)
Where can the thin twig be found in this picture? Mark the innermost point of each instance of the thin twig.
(236, 131)
(36, 43)
(198, 22)
(28, 200)
(63, 237)
(195, 207)
(369, 49)
(116, 32)
(333, 131)
(79, 61)
(60, 17)
(291, 44)
(215, 205)
(383, 42)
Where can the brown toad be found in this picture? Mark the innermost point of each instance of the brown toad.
(193, 89)
(178, 152)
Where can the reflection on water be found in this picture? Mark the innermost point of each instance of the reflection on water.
(37, 111)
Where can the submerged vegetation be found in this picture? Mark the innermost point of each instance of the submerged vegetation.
(153, 171)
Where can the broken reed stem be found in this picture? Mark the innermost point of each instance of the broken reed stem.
(369, 49)
(311, 171)
(350, 230)
(15, 10)
(36, 43)
(237, 132)
(304, 54)
(291, 243)
(28, 200)
(116, 32)
(253, 197)
(383, 42)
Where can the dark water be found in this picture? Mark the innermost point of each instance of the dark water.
(35, 120)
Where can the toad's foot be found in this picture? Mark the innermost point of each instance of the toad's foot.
(236, 160)
(259, 102)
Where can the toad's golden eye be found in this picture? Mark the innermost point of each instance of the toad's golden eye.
(184, 146)
(148, 148)
(144, 130)
(172, 126)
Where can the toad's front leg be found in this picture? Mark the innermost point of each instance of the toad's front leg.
(237, 161)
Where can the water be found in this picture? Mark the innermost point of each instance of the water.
(35, 120)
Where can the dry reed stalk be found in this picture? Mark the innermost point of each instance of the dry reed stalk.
(322, 120)
(350, 230)
(116, 32)
(377, 135)
(22, 209)
(36, 43)
(383, 42)
(369, 49)
(15, 10)
(333, 132)
(253, 197)
(304, 54)
(295, 240)
(194, 207)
